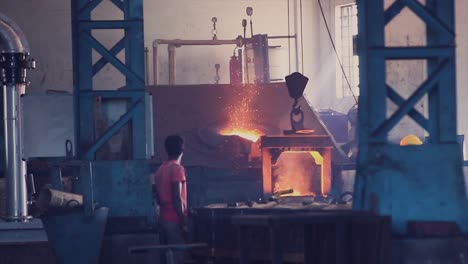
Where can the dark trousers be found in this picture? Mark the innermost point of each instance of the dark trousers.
(170, 233)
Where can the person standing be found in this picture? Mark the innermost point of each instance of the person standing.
(170, 193)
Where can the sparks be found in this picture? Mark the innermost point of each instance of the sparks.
(242, 115)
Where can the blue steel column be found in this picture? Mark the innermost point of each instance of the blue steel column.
(415, 183)
(442, 101)
(371, 34)
(85, 70)
(135, 59)
(82, 76)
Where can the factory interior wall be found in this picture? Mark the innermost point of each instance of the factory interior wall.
(47, 25)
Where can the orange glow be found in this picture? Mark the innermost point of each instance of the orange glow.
(296, 170)
(305, 131)
(252, 135)
(298, 193)
(242, 115)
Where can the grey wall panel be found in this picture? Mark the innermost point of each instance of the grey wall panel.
(47, 124)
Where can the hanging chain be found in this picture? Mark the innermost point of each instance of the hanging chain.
(214, 31)
(217, 78)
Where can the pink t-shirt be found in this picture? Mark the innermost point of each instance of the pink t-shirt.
(167, 174)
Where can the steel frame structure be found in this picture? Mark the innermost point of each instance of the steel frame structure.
(389, 176)
(98, 175)
(84, 70)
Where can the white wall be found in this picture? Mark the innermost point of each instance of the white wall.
(47, 25)
(321, 64)
(188, 19)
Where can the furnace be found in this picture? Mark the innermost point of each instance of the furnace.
(227, 127)
(300, 163)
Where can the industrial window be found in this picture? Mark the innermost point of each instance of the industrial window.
(346, 27)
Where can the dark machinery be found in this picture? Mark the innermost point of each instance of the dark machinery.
(76, 234)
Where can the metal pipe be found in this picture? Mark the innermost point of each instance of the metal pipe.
(146, 66)
(14, 49)
(172, 68)
(15, 166)
(12, 39)
(182, 42)
(175, 43)
(155, 65)
(282, 37)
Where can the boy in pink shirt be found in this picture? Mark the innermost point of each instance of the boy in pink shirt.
(170, 193)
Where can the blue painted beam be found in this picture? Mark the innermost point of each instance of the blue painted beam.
(119, 65)
(442, 102)
(135, 60)
(393, 11)
(112, 130)
(375, 77)
(406, 107)
(363, 46)
(119, 94)
(133, 9)
(431, 20)
(89, 7)
(82, 77)
(108, 24)
(399, 101)
(119, 4)
(134, 47)
(118, 47)
(411, 53)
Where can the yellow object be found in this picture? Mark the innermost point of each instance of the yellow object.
(410, 140)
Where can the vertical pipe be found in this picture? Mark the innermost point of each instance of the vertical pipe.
(171, 51)
(14, 50)
(155, 64)
(15, 166)
(146, 66)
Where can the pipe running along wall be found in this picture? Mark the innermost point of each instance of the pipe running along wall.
(14, 50)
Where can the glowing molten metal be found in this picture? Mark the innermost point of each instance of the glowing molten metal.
(251, 135)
